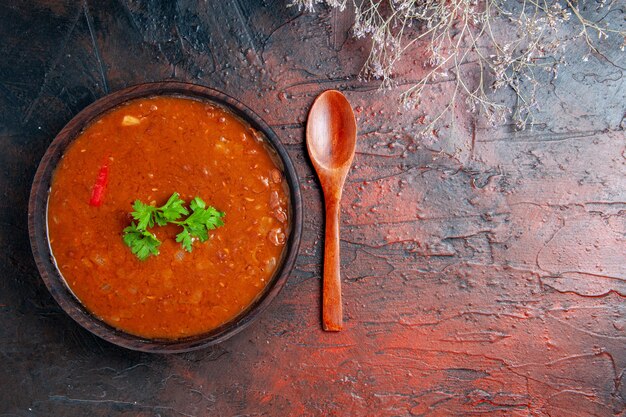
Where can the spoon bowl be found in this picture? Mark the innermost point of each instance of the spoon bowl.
(331, 132)
(331, 143)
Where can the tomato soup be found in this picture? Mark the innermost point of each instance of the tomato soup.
(148, 149)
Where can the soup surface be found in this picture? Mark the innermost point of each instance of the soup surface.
(152, 148)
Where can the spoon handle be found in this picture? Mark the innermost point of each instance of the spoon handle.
(332, 311)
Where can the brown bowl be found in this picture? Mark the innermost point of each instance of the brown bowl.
(38, 227)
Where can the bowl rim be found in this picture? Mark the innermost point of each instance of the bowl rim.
(37, 219)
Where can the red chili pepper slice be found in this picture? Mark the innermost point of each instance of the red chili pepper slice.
(97, 192)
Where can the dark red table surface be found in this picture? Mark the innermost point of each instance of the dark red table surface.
(483, 270)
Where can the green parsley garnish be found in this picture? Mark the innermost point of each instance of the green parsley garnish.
(148, 215)
(141, 242)
(195, 227)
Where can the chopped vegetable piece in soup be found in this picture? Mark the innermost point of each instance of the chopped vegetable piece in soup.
(153, 148)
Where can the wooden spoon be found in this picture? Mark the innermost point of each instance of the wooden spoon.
(331, 141)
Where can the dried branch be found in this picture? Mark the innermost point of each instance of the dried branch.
(458, 33)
